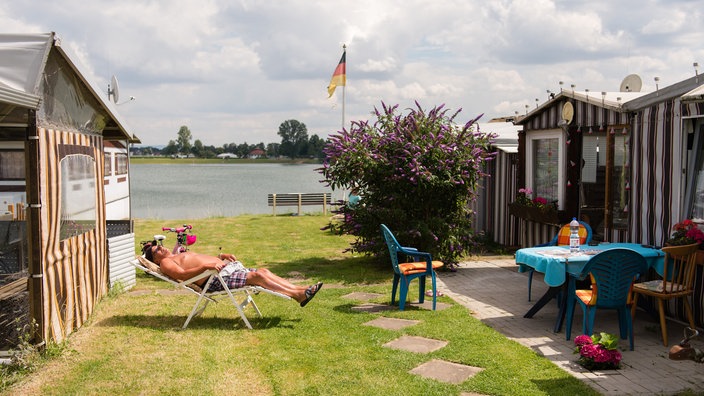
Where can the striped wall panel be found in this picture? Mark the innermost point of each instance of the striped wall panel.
(120, 252)
(657, 181)
(75, 269)
(504, 187)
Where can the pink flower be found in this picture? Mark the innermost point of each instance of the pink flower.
(541, 201)
(602, 355)
(582, 340)
(589, 351)
(615, 357)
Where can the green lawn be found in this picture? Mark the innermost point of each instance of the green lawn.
(133, 343)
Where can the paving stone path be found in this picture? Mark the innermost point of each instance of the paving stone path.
(436, 369)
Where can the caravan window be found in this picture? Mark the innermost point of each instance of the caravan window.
(120, 163)
(544, 165)
(78, 195)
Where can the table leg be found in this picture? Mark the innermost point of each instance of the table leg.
(563, 309)
(549, 295)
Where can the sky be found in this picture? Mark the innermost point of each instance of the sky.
(233, 71)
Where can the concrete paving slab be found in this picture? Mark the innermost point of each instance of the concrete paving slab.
(415, 344)
(362, 296)
(429, 305)
(391, 323)
(443, 371)
(371, 307)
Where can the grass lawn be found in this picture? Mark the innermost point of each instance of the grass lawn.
(133, 343)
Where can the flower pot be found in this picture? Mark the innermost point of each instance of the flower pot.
(538, 214)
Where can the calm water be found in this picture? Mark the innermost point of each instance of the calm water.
(195, 191)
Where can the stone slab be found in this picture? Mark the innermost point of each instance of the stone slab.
(371, 307)
(416, 344)
(391, 323)
(443, 371)
(428, 304)
(362, 296)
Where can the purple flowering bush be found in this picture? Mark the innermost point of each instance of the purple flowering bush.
(417, 172)
(598, 352)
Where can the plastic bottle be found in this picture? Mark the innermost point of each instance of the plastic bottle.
(574, 235)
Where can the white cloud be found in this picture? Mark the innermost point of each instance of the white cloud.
(234, 71)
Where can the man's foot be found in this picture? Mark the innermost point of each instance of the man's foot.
(310, 293)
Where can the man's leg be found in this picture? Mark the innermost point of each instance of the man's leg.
(266, 279)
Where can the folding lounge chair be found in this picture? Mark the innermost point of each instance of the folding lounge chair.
(204, 298)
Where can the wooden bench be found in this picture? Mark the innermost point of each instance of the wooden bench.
(300, 199)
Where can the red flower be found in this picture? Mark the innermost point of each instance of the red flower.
(582, 340)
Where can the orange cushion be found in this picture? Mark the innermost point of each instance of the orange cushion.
(417, 267)
(586, 296)
(563, 236)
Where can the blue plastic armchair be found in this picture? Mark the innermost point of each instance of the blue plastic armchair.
(612, 274)
(404, 273)
(563, 238)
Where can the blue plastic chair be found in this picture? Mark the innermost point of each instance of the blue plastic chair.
(404, 273)
(563, 238)
(612, 273)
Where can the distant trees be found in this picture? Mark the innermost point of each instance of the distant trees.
(295, 143)
(294, 137)
(184, 140)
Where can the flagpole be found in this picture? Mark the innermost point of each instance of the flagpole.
(344, 50)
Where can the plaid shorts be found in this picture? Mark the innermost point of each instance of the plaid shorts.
(235, 280)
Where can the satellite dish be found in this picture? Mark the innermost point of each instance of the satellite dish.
(113, 90)
(632, 83)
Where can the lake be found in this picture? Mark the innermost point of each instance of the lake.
(195, 191)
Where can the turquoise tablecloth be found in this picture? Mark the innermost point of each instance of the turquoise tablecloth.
(556, 266)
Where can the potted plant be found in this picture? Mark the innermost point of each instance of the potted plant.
(598, 352)
(536, 209)
(687, 232)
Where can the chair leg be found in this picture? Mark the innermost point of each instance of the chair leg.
(663, 325)
(435, 291)
(589, 321)
(394, 288)
(625, 325)
(690, 316)
(421, 290)
(634, 305)
(530, 282)
(403, 295)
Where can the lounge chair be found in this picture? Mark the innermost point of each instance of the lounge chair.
(204, 298)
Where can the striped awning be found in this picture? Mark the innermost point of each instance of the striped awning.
(695, 95)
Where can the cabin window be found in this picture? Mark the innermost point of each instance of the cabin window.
(120, 164)
(78, 195)
(544, 159)
(12, 165)
(695, 180)
(620, 180)
(107, 167)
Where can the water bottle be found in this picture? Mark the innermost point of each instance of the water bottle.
(574, 235)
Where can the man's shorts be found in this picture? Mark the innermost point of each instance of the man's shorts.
(234, 275)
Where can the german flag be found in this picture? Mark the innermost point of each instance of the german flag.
(339, 77)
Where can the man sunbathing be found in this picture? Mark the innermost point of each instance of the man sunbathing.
(186, 265)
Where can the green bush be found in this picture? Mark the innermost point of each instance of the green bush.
(417, 173)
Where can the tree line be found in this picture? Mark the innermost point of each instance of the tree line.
(295, 143)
